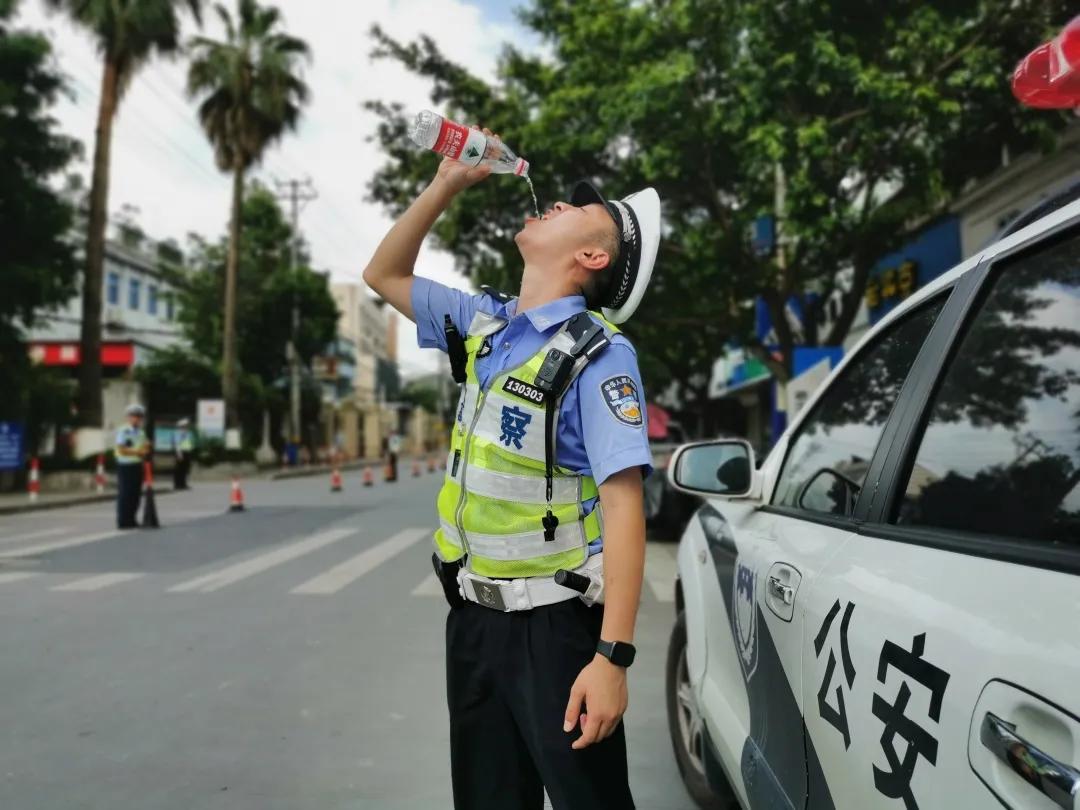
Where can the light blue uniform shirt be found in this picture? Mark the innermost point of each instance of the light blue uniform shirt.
(591, 438)
(131, 438)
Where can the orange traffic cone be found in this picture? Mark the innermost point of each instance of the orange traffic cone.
(236, 497)
(369, 477)
(149, 515)
(33, 486)
(99, 475)
(335, 480)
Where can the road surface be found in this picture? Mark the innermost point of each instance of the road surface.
(287, 657)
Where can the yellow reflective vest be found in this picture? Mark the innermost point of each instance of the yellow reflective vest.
(495, 499)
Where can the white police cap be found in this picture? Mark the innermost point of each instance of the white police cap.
(638, 219)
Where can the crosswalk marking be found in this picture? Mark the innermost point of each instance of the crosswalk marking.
(264, 562)
(15, 538)
(44, 548)
(345, 573)
(660, 570)
(16, 576)
(97, 582)
(429, 587)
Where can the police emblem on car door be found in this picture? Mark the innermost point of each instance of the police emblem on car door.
(744, 617)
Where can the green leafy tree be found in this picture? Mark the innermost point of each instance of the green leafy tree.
(251, 94)
(267, 284)
(851, 128)
(128, 33)
(37, 263)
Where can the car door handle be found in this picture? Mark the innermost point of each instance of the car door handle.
(1056, 780)
(785, 593)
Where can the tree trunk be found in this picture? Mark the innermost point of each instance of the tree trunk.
(230, 388)
(90, 405)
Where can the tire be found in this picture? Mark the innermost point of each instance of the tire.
(684, 724)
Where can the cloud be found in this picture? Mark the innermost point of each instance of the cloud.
(163, 165)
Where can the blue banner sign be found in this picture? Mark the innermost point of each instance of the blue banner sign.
(11, 445)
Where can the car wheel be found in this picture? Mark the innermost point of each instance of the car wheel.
(687, 727)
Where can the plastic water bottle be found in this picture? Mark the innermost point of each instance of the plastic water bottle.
(470, 146)
(1049, 76)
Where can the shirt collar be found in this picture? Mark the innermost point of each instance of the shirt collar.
(547, 315)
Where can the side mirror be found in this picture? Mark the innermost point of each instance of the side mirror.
(829, 492)
(724, 467)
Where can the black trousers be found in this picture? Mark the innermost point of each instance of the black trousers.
(180, 471)
(129, 479)
(508, 678)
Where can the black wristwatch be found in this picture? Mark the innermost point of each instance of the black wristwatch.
(620, 653)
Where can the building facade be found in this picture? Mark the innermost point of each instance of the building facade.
(367, 326)
(139, 317)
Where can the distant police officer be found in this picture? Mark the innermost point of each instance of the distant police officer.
(183, 447)
(540, 513)
(131, 449)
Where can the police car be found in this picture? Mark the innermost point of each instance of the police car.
(885, 613)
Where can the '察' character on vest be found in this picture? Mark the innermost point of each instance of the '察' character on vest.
(541, 536)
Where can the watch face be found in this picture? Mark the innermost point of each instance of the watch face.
(620, 653)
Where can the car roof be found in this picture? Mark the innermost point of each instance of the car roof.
(1030, 232)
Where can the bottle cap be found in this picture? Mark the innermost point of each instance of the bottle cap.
(522, 168)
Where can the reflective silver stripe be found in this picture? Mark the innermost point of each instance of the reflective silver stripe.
(526, 545)
(484, 324)
(451, 532)
(521, 488)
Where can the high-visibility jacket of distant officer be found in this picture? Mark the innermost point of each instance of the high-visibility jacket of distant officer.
(131, 448)
(540, 511)
(183, 447)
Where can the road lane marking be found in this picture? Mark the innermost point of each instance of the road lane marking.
(264, 562)
(429, 587)
(660, 570)
(44, 548)
(346, 573)
(97, 582)
(17, 576)
(15, 538)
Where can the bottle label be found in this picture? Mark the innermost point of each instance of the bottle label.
(461, 143)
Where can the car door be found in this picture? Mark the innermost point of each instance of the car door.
(767, 555)
(954, 606)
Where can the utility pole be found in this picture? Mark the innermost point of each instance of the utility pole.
(297, 192)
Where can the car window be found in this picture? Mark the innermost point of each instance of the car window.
(1001, 450)
(830, 454)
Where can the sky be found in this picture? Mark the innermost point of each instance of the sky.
(162, 163)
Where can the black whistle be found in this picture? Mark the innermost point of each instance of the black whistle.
(551, 523)
(455, 350)
(575, 582)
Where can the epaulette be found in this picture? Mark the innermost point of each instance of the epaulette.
(501, 297)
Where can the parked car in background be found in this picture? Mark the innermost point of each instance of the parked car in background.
(884, 614)
(666, 508)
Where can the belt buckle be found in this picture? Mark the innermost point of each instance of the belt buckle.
(489, 595)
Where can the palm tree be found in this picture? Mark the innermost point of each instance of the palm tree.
(128, 33)
(251, 94)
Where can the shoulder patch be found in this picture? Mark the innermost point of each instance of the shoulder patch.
(622, 399)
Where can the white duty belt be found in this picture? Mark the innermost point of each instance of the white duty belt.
(508, 595)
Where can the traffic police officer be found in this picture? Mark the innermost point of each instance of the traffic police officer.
(540, 514)
(183, 445)
(131, 449)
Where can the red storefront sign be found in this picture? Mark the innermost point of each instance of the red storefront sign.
(70, 354)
